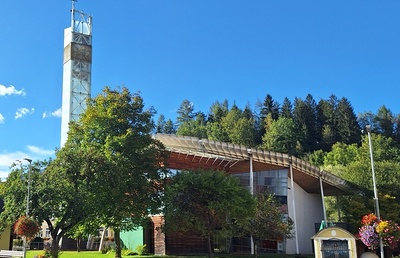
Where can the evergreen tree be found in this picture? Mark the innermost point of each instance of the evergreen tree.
(247, 112)
(160, 124)
(327, 123)
(196, 128)
(286, 109)
(185, 112)
(367, 118)
(397, 130)
(349, 130)
(384, 120)
(299, 120)
(218, 111)
(169, 127)
(269, 106)
(305, 120)
(311, 124)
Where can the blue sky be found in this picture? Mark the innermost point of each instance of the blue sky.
(200, 50)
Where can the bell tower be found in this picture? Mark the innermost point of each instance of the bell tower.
(77, 66)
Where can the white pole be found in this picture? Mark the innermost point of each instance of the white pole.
(322, 197)
(294, 206)
(73, 15)
(29, 186)
(368, 127)
(252, 193)
(27, 201)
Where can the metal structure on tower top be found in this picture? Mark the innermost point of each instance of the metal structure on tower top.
(80, 22)
(76, 69)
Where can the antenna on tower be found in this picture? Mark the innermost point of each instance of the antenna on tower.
(73, 4)
(73, 12)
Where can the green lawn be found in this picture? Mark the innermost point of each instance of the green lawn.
(72, 254)
(96, 254)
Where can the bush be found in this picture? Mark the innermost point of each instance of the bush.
(44, 254)
(105, 249)
(140, 249)
(18, 242)
(108, 247)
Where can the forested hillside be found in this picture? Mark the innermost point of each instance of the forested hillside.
(297, 127)
(327, 133)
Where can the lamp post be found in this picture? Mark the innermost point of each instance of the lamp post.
(27, 200)
(29, 186)
(376, 201)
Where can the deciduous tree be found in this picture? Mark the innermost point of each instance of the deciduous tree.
(205, 202)
(270, 220)
(281, 137)
(58, 194)
(128, 181)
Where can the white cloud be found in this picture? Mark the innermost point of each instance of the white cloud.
(55, 113)
(11, 91)
(2, 119)
(6, 160)
(23, 111)
(40, 151)
(33, 152)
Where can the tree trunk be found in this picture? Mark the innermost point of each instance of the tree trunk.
(54, 248)
(209, 247)
(117, 239)
(78, 244)
(255, 248)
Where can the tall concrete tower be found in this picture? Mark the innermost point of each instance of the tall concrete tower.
(76, 69)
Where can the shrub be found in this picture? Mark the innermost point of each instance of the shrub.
(140, 249)
(18, 242)
(44, 254)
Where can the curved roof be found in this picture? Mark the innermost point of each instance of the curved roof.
(194, 153)
(333, 232)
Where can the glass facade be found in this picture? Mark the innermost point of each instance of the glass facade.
(272, 181)
(276, 183)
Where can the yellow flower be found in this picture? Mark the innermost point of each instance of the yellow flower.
(382, 226)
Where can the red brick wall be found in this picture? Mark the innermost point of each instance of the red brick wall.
(159, 236)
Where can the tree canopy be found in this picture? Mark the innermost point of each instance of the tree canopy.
(126, 174)
(317, 125)
(109, 172)
(56, 196)
(205, 202)
(352, 163)
(270, 220)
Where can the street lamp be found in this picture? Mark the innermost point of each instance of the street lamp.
(29, 185)
(376, 201)
(27, 199)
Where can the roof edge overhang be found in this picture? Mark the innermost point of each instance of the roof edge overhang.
(233, 153)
